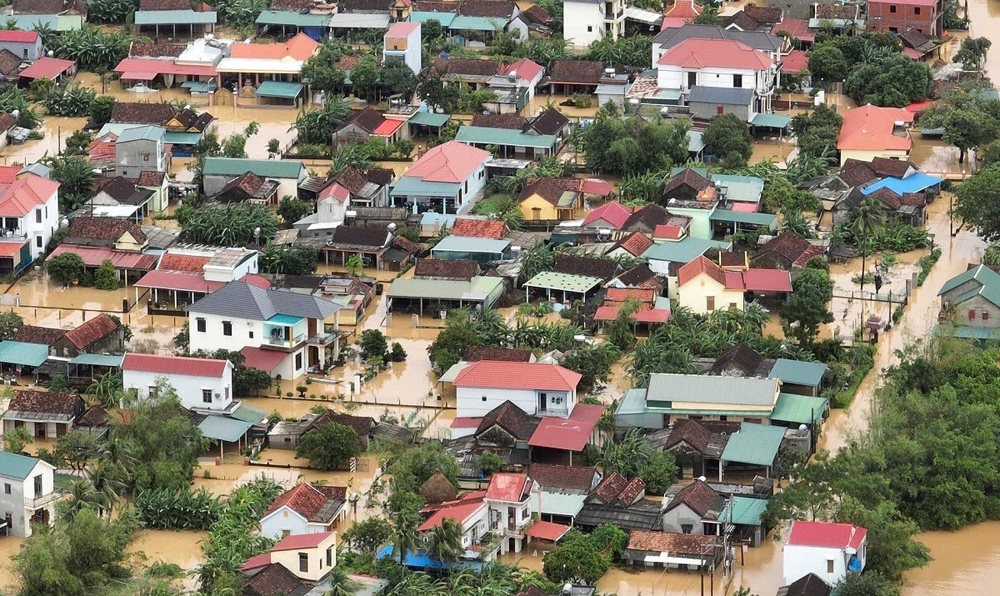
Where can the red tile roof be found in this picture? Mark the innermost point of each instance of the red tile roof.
(645, 314)
(301, 48)
(175, 365)
(869, 128)
(92, 331)
(623, 294)
(508, 487)
(48, 68)
(544, 530)
(568, 434)
(402, 29)
(524, 68)
(297, 541)
(683, 9)
(479, 228)
(614, 213)
(179, 262)
(693, 53)
(668, 231)
(669, 542)
(451, 162)
(256, 562)
(826, 535)
(797, 28)
(265, 360)
(760, 280)
(518, 375)
(20, 197)
(459, 511)
(93, 257)
(796, 61)
(178, 280)
(697, 267)
(636, 244)
(698, 496)
(388, 127)
(11, 36)
(306, 500)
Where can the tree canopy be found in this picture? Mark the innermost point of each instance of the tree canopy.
(807, 309)
(330, 447)
(726, 136)
(978, 202)
(631, 146)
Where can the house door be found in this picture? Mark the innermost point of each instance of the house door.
(510, 518)
(543, 399)
(40, 430)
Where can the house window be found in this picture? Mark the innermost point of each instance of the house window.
(227, 328)
(687, 528)
(153, 391)
(226, 393)
(303, 562)
(753, 420)
(298, 361)
(972, 315)
(37, 481)
(829, 565)
(38, 241)
(986, 315)
(6, 488)
(524, 513)
(200, 325)
(251, 335)
(145, 157)
(484, 398)
(536, 213)
(25, 52)
(38, 216)
(206, 396)
(916, 10)
(732, 306)
(692, 79)
(719, 110)
(590, 29)
(737, 81)
(892, 8)
(710, 303)
(329, 557)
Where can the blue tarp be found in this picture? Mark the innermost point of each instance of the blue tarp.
(913, 183)
(418, 560)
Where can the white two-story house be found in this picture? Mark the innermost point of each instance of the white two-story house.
(470, 513)
(540, 389)
(28, 495)
(587, 21)
(200, 383)
(281, 332)
(310, 557)
(828, 550)
(717, 76)
(29, 215)
(508, 498)
(402, 41)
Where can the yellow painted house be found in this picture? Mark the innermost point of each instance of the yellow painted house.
(703, 288)
(560, 199)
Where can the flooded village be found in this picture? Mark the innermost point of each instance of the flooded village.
(482, 296)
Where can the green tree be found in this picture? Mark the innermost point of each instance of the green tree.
(297, 259)
(431, 31)
(413, 467)
(446, 542)
(318, 126)
(871, 583)
(10, 322)
(247, 381)
(355, 265)
(575, 560)
(827, 63)
(15, 439)
(66, 268)
(291, 210)
(808, 307)
(331, 447)
(77, 448)
(232, 225)
(396, 78)
(889, 80)
(868, 220)
(816, 132)
(972, 53)
(368, 536)
(373, 344)
(438, 95)
(709, 16)
(594, 362)
(75, 178)
(446, 350)
(364, 78)
(727, 135)
(106, 277)
(978, 202)
(78, 143)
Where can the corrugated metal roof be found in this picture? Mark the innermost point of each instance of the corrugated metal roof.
(112, 360)
(746, 189)
(771, 120)
(293, 19)
(225, 429)
(744, 391)
(798, 409)
(175, 17)
(360, 20)
(683, 251)
(746, 511)
(279, 89)
(550, 280)
(558, 503)
(248, 414)
(445, 18)
(410, 186)
(470, 244)
(798, 372)
(141, 132)
(15, 465)
(464, 23)
(24, 354)
(182, 138)
(429, 119)
(768, 220)
(265, 168)
(754, 444)
(720, 95)
(477, 289)
(503, 136)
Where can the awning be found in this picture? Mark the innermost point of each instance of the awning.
(771, 121)
(178, 281)
(248, 414)
(23, 354)
(279, 89)
(450, 375)
(798, 409)
(225, 429)
(111, 360)
(138, 76)
(429, 119)
(544, 530)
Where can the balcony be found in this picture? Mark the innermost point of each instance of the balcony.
(324, 339)
(39, 502)
(284, 342)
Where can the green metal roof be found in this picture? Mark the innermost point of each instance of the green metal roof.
(445, 18)
(18, 352)
(768, 220)
(15, 465)
(429, 119)
(771, 120)
(150, 133)
(470, 244)
(746, 189)
(265, 168)
(988, 280)
(746, 511)
(683, 251)
(113, 360)
(477, 289)
(175, 17)
(734, 391)
(550, 280)
(182, 138)
(248, 414)
(464, 23)
(560, 503)
(292, 19)
(279, 89)
(798, 372)
(980, 333)
(754, 444)
(502, 136)
(225, 429)
(799, 409)
(411, 186)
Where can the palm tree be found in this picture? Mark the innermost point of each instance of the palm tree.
(446, 542)
(795, 222)
(341, 584)
(107, 480)
(405, 535)
(869, 218)
(81, 496)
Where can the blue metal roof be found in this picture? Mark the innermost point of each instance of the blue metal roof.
(24, 354)
(470, 244)
(913, 183)
(284, 319)
(15, 465)
(411, 186)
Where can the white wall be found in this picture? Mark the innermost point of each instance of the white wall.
(284, 519)
(578, 17)
(498, 511)
(475, 183)
(800, 561)
(330, 210)
(674, 77)
(189, 387)
(226, 274)
(44, 229)
(48, 479)
(316, 557)
(471, 402)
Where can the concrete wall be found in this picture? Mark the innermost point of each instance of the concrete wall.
(40, 223)
(682, 515)
(583, 22)
(139, 155)
(707, 111)
(316, 559)
(476, 402)
(897, 17)
(22, 492)
(189, 387)
(29, 52)
(695, 295)
(970, 313)
(800, 561)
(284, 520)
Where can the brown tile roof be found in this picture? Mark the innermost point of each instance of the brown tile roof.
(49, 7)
(855, 172)
(649, 216)
(887, 197)
(914, 199)
(688, 177)
(380, 176)
(367, 119)
(94, 330)
(700, 497)
(532, 590)
(118, 188)
(45, 336)
(638, 275)
(362, 425)
(348, 63)
(511, 418)
(809, 585)
(576, 71)
(668, 542)
(766, 15)
(156, 50)
(436, 6)
(404, 243)
(500, 9)
(248, 183)
(534, 14)
(632, 491)
(549, 122)
(291, 5)
(588, 266)
(460, 269)
(562, 477)
(733, 258)
(350, 178)
(836, 11)
(787, 244)
(126, 112)
(635, 244)
(363, 6)
(698, 266)
(474, 67)
(742, 20)
(896, 168)
(94, 416)
(359, 236)
(150, 178)
(915, 39)
(274, 580)
(479, 228)
(164, 5)
(610, 487)
(180, 262)
(477, 353)
(741, 355)
(9, 62)
(93, 231)
(548, 189)
(688, 431)
(28, 400)
(7, 121)
(309, 501)
(505, 121)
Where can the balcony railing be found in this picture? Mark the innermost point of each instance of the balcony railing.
(285, 341)
(41, 501)
(323, 339)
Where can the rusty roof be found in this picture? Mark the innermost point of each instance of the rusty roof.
(102, 231)
(126, 112)
(575, 478)
(688, 431)
(587, 266)
(473, 67)
(29, 400)
(649, 217)
(9, 62)
(700, 498)
(92, 331)
(668, 542)
(367, 119)
(459, 269)
(479, 228)
(45, 336)
(477, 353)
(515, 421)
(576, 71)
(505, 121)
(156, 50)
(275, 580)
